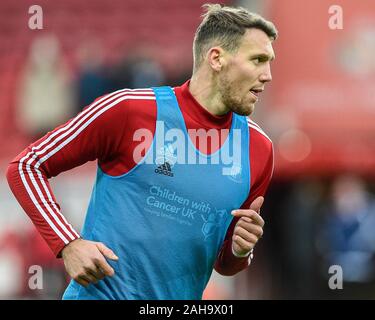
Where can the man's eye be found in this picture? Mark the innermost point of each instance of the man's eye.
(256, 60)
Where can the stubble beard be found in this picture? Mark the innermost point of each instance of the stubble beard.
(231, 98)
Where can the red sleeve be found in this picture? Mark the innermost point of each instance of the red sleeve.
(95, 133)
(262, 165)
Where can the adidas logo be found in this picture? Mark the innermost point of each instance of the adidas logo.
(165, 169)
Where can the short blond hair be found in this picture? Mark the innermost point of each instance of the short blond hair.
(225, 26)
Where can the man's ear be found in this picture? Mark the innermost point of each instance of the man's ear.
(215, 58)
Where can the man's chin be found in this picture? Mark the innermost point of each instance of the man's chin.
(251, 110)
(246, 111)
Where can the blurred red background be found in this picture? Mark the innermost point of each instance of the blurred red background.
(319, 111)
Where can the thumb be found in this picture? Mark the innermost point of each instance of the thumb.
(256, 204)
(108, 253)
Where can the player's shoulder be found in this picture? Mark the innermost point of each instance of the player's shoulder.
(258, 134)
(126, 97)
(139, 101)
(125, 101)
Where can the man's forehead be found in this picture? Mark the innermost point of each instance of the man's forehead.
(256, 41)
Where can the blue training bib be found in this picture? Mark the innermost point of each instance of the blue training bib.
(166, 219)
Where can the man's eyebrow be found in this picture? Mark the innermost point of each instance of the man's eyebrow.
(263, 56)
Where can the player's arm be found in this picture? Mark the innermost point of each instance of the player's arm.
(247, 225)
(94, 133)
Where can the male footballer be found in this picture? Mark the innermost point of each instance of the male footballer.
(167, 207)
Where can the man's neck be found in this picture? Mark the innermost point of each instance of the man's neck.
(205, 90)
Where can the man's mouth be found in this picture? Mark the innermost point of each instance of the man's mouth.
(256, 91)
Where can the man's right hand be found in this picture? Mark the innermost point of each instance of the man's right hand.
(85, 261)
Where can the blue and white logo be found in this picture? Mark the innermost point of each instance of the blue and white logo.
(235, 173)
(166, 154)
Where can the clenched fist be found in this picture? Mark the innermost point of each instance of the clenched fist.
(85, 261)
(248, 229)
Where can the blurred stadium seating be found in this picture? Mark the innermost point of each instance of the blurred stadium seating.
(120, 26)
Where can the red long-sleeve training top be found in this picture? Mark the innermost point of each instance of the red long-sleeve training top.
(107, 136)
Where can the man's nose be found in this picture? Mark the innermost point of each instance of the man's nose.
(266, 75)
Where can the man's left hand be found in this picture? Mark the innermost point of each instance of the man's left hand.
(248, 229)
